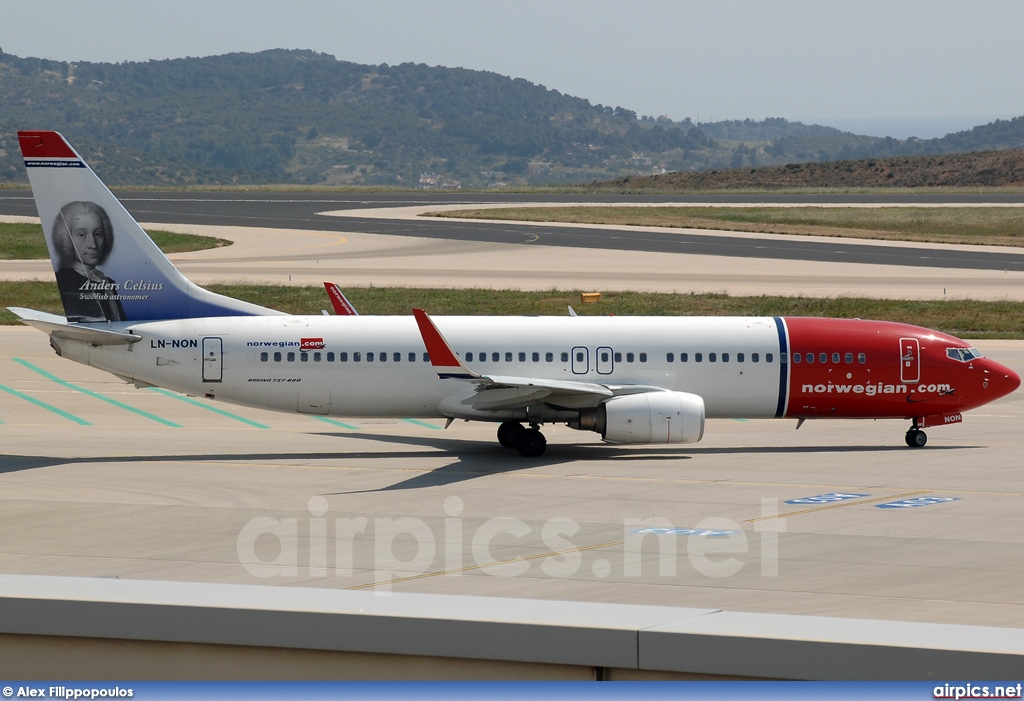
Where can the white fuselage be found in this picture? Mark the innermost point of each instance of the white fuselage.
(362, 366)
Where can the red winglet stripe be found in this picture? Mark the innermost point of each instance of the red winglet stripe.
(44, 144)
(437, 348)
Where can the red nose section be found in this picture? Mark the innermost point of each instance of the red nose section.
(1002, 380)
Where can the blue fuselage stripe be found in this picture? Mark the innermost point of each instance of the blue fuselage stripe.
(780, 326)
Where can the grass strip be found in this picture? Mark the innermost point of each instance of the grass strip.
(990, 226)
(965, 318)
(26, 242)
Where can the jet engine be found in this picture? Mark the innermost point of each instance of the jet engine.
(649, 417)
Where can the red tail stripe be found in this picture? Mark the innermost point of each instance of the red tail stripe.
(44, 144)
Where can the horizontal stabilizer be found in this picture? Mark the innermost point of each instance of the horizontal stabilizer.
(59, 327)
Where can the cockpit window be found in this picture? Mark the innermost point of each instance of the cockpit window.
(964, 355)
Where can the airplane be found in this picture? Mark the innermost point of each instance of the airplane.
(633, 380)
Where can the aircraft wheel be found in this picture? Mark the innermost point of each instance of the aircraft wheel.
(916, 438)
(508, 432)
(531, 443)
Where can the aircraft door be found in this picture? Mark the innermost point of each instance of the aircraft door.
(213, 360)
(910, 360)
(580, 360)
(605, 360)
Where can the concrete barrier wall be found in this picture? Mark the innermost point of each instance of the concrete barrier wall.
(77, 628)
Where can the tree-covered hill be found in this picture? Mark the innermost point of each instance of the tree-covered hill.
(304, 117)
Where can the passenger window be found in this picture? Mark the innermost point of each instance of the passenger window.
(783, 358)
(643, 357)
(522, 357)
(768, 357)
(862, 358)
(264, 357)
(629, 357)
(343, 357)
(330, 357)
(469, 357)
(277, 356)
(356, 357)
(483, 356)
(565, 357)
(618, 357)
(384, 357)
(698, 357)
(755, 357)
(397, 357)
(712, 357)
(810, 357)
(316, 357)
(796, 357)
(739, 357)
(822, 357)
(508, 357)
(683, 357)
(604, 357)
(412, 357)
(304, 357)
(670, 357)
(535, 357)
(291, 357)
(835, 359)
(579, 357)
(849, 358)
(725, 357)
(495, 357)
(426, 357)
(369, 357)
(549, 357)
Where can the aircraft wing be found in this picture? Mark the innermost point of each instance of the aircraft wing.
(502, 392)
(59, 327)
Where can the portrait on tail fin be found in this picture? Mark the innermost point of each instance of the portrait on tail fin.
(83, 238)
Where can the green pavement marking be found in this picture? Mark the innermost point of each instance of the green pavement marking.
(335, 423)
(48, 407)
(202, 405)
(423, 423)
(97, 395)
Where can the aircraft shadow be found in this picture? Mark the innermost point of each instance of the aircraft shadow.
(472, 459)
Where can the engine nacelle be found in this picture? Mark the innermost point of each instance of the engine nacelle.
(650, 417)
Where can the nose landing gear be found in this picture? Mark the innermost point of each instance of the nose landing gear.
(529, 442)
(916, 438)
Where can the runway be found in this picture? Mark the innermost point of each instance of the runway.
(306, 211)
(103, 480)
(261, 255)
(100, 479)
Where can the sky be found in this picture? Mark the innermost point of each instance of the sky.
(881, 67)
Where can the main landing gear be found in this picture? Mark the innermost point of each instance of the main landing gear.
(529, 442)
(916, 438)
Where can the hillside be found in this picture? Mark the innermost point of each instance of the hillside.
(302, 117)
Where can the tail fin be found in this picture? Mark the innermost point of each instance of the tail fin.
(107, 268)
(342, 307)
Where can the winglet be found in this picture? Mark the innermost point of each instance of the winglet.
(342, 307)
(442, 357)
